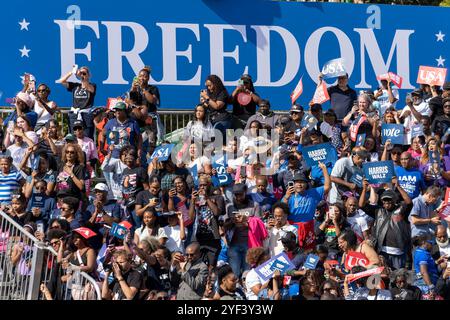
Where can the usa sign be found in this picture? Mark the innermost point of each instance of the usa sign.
(185, 41)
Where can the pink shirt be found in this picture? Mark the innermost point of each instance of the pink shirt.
(256, 232)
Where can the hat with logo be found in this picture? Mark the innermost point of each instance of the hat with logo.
(296, 108)
(101, 187)
(120, 106)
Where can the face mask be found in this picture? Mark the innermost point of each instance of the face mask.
(442, 244)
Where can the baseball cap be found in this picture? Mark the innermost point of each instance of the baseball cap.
(101, 187)
(78, 124)
(25, 97)
(388, 194)
(120, 106)
(288, 238)
(70, 138)
(416, 92)
(296, 108)
(239, 188)
(85, 232)
(300, 177)
(446, 86)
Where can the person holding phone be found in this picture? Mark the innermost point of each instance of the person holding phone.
(190, 272)
(243, 109)
(277, 227)
(83, 95)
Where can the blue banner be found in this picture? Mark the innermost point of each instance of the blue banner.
(162, 152)
(279, 262)
(323, 152)
(379, 172)
(393, 132)
(333, 69)
(185, 41)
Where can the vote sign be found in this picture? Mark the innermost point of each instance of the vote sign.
(393, 132)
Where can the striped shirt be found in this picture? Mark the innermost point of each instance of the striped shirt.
(8, 184)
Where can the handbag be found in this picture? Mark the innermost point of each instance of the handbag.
(80, 291)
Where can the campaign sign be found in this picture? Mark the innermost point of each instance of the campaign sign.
(431, 76)
(35, 163)
(162, 152)
(360, 140)
(445, 213)
(367, 273)
(417, 130)
(279, 262)
(357, 178)
(309, 122)
(396, 79)
(334, 68)
(393, 132)
(311, 261)
(118, 231)
(194, 174)
(37, 201)
(112, 138)
(220, 164)
(379, 172)
(319, 152)
(353, 259)
(321, 94)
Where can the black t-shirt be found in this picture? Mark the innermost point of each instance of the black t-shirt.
(207, 222)
(341, 101)
(221, 114)
(237, 295)
(440, 125)
(82, 98)
(133, 278)
(64, 181)
(408, 293)
(136, 179)
(138, 97)
(244, 112)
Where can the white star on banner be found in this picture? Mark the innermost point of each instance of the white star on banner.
(440, 36)
(24, 24)
(440, 61)
(24, 52)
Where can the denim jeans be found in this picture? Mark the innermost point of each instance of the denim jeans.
(236, 256)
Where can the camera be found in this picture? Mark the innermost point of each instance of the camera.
(107, 267)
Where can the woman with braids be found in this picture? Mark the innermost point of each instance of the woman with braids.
(215, 98)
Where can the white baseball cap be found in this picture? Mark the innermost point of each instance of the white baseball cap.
(101, 187)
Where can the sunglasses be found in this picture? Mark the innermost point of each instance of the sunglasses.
(70, 152)
(190, 254)
(54, 243)
(83, 73)
(203, 185)
(42, 90)
(77, 128)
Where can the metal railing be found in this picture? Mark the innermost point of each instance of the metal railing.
(26, 263)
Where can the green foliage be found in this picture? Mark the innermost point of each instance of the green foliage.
(445, 3)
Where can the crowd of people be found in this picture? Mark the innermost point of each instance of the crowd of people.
(195, 231)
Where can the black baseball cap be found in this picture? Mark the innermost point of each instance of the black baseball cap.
(239, 188)
(288, 238)
(388, 194)
(300, 177)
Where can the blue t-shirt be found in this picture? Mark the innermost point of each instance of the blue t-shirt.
(132, 128)
(411, 180)
(423, 257)
(265, 200)
(303, 206)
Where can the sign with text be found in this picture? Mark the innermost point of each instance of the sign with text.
(162, 152)
(279, 262)
(361, 138)
(118, 231)
(309, 121)
(353, 259)
(321, 94)
(357, 177)
(393, 132)
(311, 261)
(367, 273)
(379, 172)
(222, 178)
(432, 76)
(297, 91)
(320, 152)
(394, 78)
(334, 68)
(417, 130)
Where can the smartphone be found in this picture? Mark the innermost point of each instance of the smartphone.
(290, 184)
(331, 212)
(241, 83)
(243, 171)
(182, 258)
(40, 227)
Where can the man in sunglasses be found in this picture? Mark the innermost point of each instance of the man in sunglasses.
(191, 272)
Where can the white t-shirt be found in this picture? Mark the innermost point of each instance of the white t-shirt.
(144, 234)
(173, 235)
(252, 280)
(200, 163)
(445, 251)
(360, 222)
(384, 100)
(410, 120)
(275, 235)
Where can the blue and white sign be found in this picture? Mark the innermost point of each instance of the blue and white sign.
(393, 132)
(417, 130)
(118, 231)
(309, 121)
(320, 152)
(162, 152)
(185, 41)
(222, 178)
(279, 262)
(311, 261)
(379, 172)
(333, 69)
(361, 138)
(357, 177)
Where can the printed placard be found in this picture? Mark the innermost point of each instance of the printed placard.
(321, 94)
(311, 261)
(393, 132)
(319, 152)
(357, 177)
(360, 139)
(223, 178)
(396, 79)
(162, 152)
(432, 76)
(309, 121)
(279, 262)
(334, 68)
(379, 172)
(367, 273)
(417, 130)
(353, 259)
(297, 91)
(118, 231)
